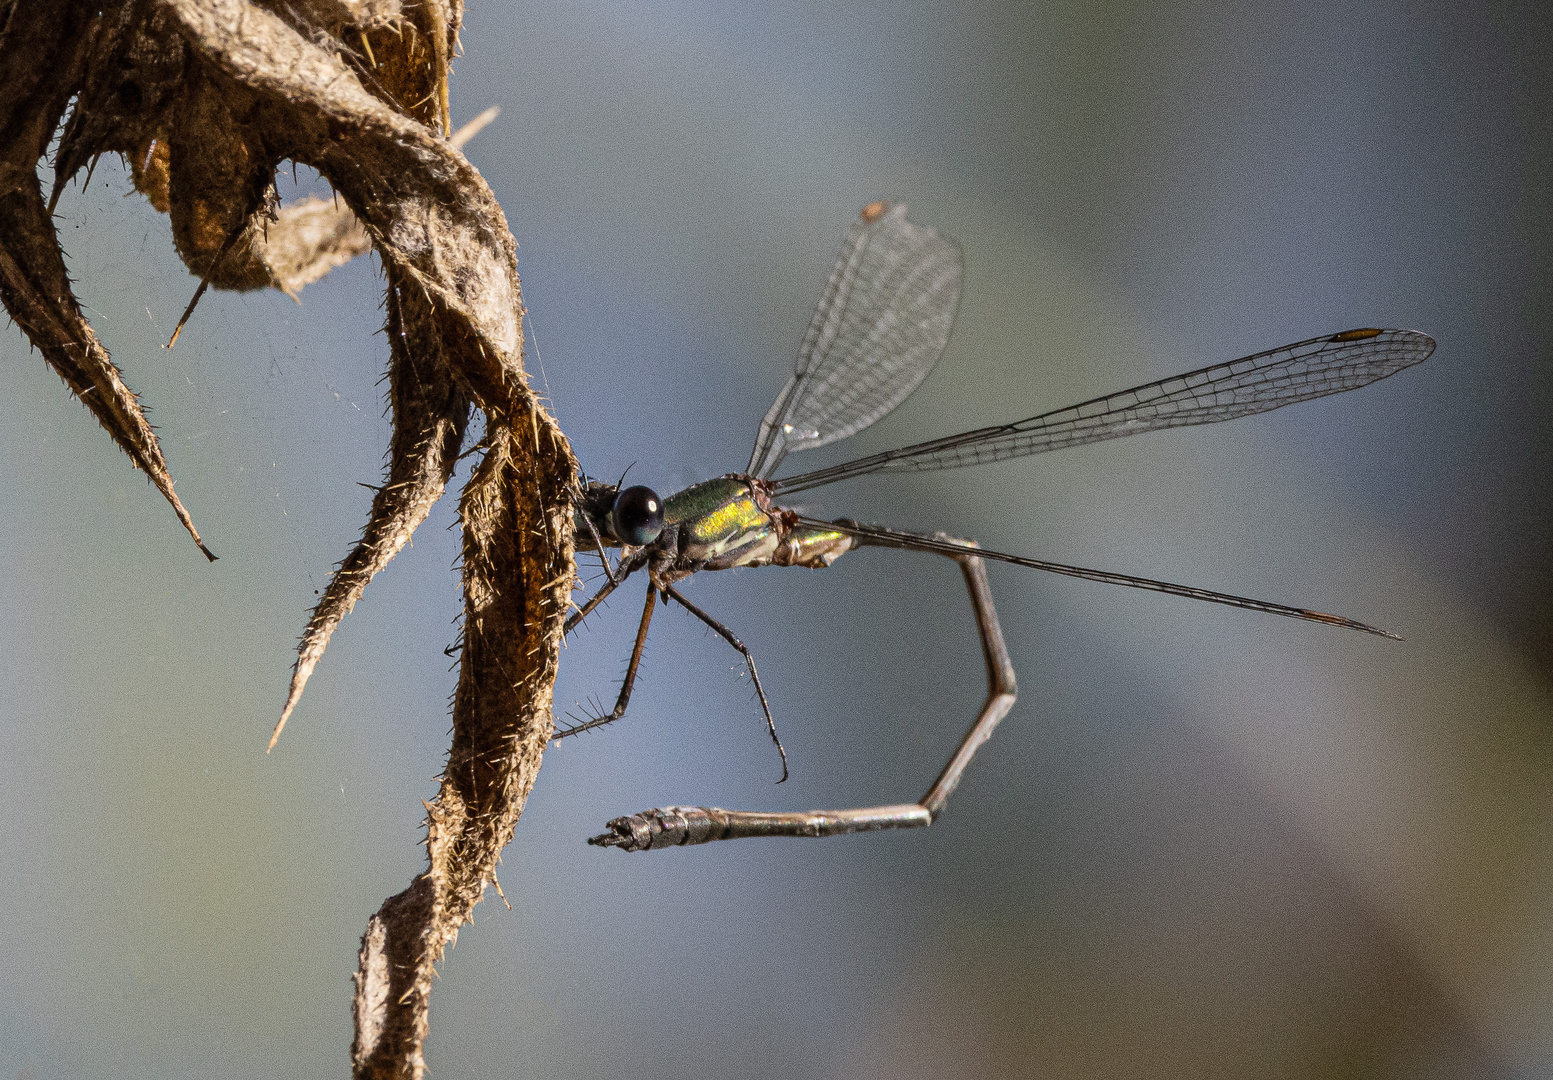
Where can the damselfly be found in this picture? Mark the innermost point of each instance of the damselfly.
(880, 326)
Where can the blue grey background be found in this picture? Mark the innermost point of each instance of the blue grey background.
(1205, 843)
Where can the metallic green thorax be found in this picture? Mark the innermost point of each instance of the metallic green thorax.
(722, 523)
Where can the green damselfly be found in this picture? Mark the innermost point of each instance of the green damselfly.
(880, 326)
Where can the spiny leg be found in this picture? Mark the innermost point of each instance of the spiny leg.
(593, 531)
(749, 662)
(630, 680)
(626, 569)
(681, 825)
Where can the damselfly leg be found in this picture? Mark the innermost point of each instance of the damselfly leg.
(749, 662)
(626, 568)
(630, 680)
(593, 531)
(678, 826)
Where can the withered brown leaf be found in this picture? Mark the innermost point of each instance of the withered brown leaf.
(205, 98)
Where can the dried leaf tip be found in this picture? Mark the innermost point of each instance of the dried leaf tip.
(298, 680)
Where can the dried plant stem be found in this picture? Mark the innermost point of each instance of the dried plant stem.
(207, 97)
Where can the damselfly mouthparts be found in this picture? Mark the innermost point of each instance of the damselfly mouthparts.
(880, 326)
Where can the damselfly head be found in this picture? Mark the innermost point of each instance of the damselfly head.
(637, 516)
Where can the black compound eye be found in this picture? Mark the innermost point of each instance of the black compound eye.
(638, 516)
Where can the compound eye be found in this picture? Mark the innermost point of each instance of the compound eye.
(637, 516)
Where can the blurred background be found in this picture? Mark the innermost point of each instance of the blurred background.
(1206, 843)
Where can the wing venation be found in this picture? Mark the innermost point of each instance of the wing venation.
(1252, 384)
(880, 326)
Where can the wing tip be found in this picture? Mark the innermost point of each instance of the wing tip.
(1427, 345)
(1365, 333)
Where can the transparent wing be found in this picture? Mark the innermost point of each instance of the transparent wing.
(1252, 384)
(880, 326)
